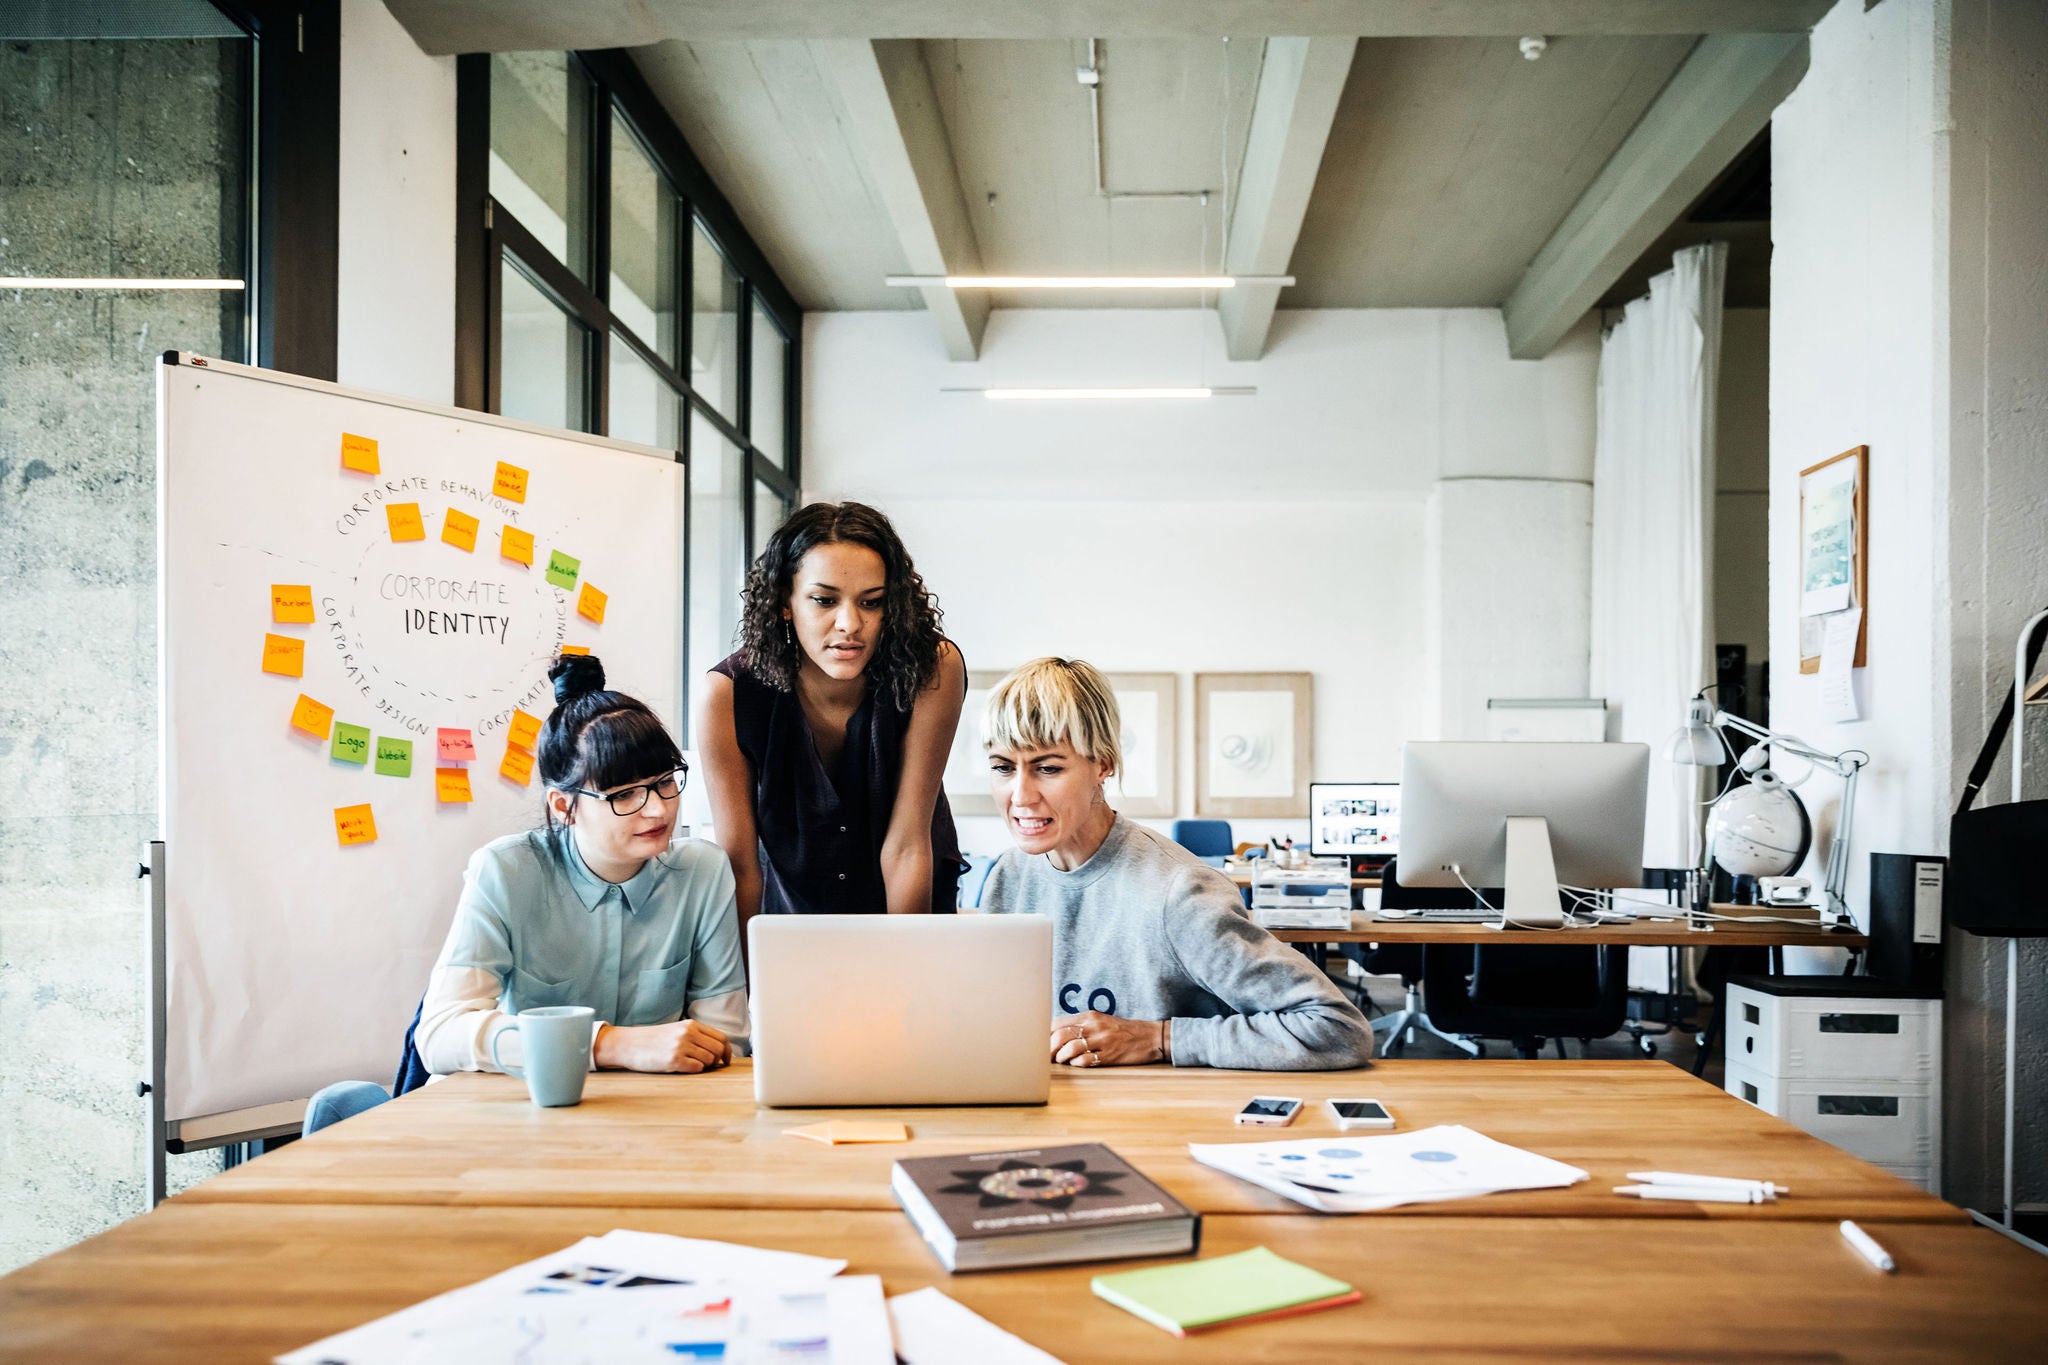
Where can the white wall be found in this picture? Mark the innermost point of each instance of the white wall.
(396, 307)
(1281, 532)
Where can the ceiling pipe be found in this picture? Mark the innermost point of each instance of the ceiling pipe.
(1091, 76)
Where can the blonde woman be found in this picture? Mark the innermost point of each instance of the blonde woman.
(1154, 958)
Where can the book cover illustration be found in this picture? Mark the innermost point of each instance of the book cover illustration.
(1004, 1193)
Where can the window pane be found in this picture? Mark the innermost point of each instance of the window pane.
(718, 562)
(714, 326)
(765, 379)
(643, 406)
(643, 233)
(540, 150)
(770, 511)
(545, 356)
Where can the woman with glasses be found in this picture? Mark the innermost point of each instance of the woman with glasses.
(601, 906)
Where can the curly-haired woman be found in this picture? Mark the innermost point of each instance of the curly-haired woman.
(824, 737)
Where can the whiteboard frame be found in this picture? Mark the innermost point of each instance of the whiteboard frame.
(285, 1117)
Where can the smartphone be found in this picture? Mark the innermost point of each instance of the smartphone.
(1360, 1114)
(1271, 1111)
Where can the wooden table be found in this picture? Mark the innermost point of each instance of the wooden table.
(700, 1142)
(240, 1283)
(1640, 934)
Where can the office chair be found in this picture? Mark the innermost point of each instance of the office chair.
(1527, 994)
(1405, 961)
(1204, 838)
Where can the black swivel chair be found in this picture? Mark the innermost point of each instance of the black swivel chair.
(1527, 994)
(1405, 961)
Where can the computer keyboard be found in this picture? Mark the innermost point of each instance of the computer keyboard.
(1441, 915)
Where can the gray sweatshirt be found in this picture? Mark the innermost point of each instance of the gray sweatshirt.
(1146, 930)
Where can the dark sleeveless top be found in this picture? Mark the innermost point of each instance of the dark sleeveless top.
(820, 833)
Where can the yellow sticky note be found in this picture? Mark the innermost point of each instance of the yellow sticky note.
(518, 765)
(590, 604)
(510, 482)
(524, 731)
(291, 603)
(284, 655)
(312, 717)
(459, 530)
(451, 784)
(575, 649)
(355, 825)
(404, 518)
(359, 453)
(516, 545)
(851, 1130)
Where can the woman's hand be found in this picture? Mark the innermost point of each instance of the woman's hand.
(1096, 1039)
(686, 1045)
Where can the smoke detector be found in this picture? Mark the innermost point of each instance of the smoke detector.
(1533, 45)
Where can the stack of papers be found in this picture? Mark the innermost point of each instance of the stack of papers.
(1358, 1175)
(1195, 1295)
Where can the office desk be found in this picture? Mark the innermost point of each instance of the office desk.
(699, 1141)
(233, 1283)
(1640, 934)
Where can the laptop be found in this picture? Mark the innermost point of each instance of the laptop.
(889, 1010)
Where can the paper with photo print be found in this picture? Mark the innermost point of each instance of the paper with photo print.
(1827, 519)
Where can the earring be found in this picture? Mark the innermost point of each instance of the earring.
(789, 632)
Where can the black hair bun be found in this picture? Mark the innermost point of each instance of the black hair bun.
(576, 674)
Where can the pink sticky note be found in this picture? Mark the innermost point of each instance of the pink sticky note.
(455, 746)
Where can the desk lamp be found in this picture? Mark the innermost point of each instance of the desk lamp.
(1700, 744)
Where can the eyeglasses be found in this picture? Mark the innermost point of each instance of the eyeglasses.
(631, 800)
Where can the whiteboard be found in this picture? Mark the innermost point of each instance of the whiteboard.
(292, 960)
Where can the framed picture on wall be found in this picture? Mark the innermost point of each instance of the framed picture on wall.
(1146, 703)
(1834, 550)
(1252, 744)
(966, 778)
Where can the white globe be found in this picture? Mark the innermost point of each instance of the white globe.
(1759, 830)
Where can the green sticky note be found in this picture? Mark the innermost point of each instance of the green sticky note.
(562, 569)
(394, 757)
(1190, 1295)
(351, 743)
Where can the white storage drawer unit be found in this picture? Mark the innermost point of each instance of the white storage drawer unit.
(1888, 1123)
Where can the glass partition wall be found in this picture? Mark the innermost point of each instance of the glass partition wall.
(608, 287)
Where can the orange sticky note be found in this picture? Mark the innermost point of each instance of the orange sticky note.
(291, 603)
(575, 649)
(355, 825)
(451, 784)
(524, 731)
(518, 765)
(516, 545)
(590, 604)
(459, 530)
(359, 453)
(284, 655)
(510, 483)
(310, 716)
(405, 521)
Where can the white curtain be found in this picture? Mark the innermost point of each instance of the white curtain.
(1653, 500)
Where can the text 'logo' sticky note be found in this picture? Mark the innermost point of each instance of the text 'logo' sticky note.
(284, 655)
(312, 717)
(351, 743)
(459, 529)
(524, 730)
(590, 604)
(405, 521)
(518, 765)
(451, 785)
(516, 545)
(291, 603)
(562, 569)
(355, 825)
(359, 453)
(454, 746)
(510, 482)
(394, 757)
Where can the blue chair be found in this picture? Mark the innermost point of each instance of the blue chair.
(974, 879)
(1204, 838)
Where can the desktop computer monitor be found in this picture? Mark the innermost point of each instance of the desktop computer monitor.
(1356, 820)
(1524, 816)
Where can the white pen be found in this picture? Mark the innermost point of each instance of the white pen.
(1677, 1178)
(1705, 1194)
(1867, 1247)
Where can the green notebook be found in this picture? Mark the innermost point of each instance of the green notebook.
(1192, 1295)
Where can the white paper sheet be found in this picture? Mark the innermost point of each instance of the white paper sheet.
(932, 1329)
(1357, 1175)
(1837, 666)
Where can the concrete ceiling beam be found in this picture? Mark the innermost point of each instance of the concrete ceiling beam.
(893, 116)
(1300, 82)
(443, 26)
(1720, 99)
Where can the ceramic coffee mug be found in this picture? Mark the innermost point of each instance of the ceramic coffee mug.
(556, 1041)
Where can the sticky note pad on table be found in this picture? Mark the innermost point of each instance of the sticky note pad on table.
(291, 603)
(510, 482)
(282, 654)
(1189, 1296)
(850, 1130)
(516, 545)
(451, 784)
(524, 730)
(312, 717)
(405, 521)
(518, 765)
(351, 743)
(355, 824)
(590, 604)
(459, 529)
(454, 746)
(562, 569)
(359, 453)
(394, 757)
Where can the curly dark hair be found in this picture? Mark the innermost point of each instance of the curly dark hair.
(907, 654)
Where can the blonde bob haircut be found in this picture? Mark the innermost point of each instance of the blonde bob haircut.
(1051, 702)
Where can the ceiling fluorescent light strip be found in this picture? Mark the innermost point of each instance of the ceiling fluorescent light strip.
(1083, 281)
(1058, 394)
(38, 282)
